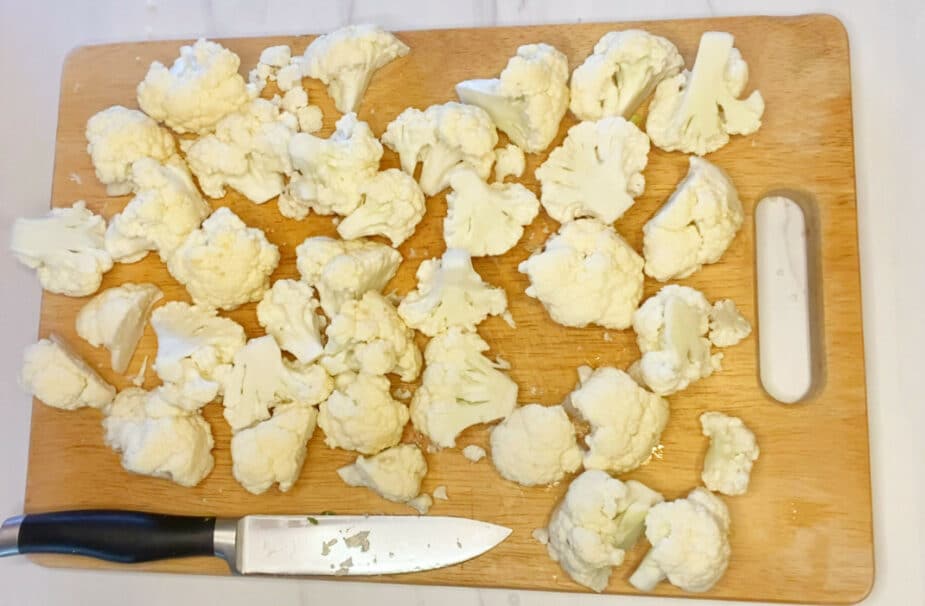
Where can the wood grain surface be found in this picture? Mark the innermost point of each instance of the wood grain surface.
(803, 531)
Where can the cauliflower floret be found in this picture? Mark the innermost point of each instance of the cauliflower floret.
(200, 88)
(623, 70)
(369, 336)
(596, 172)
(695, 226)
(288, 312)
(599, 519)
(116, 318)
(293, 100)
(586, 274)
(460, 388)
(310, 118)
(392, 206)
(509, 162)
(690, 543)
(361, 415)
(117, 137)
(486, 219)
(733, 450)
(344, 270)
(626, 420)
(261, 379)
(529, 98)
(164, 443)
(696, 111)
(331, 171)
(442, 137)
(290, 76)
(346, 59)
(166, 208)
(394, 474)
(272, 60)
(535, 445)
(273, 451)
(727, 325)
(671, 329)
(195, 348)
(225, 263)
(248, 152)
(60, 378)
(450, 293)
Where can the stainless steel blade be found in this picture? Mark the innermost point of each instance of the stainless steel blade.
(359, 545)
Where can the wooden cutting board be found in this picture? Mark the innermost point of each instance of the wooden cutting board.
(803, 531)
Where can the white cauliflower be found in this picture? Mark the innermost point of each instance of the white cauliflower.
(450, 293)
(368, 336)
(690, 543)
(442, 137)
(395, 473)
(65, 248)
(60, 378)
(361, 415)
(733, 450)
(623, 70)
(288, 312)
(460, 388)
(596, 172)
(626, 420)
(535, 445)
(586, 273)
(727, 325)
(116, 138)
(200, 88)
(346, 59)
(392, 206)
(695, 226)
(473, 453)
(272, 60)
(596, 523)
(529, 98)
(116, 318)
(509, 162)
(696, 111)
(310, 118)
(225, 263)
(486, 219)
(344, 270)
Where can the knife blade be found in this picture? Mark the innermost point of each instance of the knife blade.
(259, 544)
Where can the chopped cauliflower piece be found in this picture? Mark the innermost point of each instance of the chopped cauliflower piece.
(696, 111)
(733, 450)
(460, 388)
(421, 503)
(225, 263)
(394, 474)
(116, 138)
(294, 99)
(276, 56)
(486, 219)
(586, 273)
(310, 119)
(695, 226)
(596, 172)
(621, 73)
(272, 59)
(200, 88)
(529, 98)
(626, 420)
(535, 445)
(440, 493)
(288, 312)
(58, 377)
(474, 453)
(509, 162)
(289, 77)
(392, 206)
(727, 325)
(361, 415)
(450, 293)
(116, 319)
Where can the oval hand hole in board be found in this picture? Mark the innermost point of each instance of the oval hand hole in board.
(789, 296)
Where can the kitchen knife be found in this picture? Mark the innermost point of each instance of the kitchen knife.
(258, 544)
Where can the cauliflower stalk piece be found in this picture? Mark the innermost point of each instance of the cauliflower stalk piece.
(65, 248)
(460, 388)
(621, 73)
(346, 59)
(695, 226)
(288, 312)
(442, 138)
(529, 98)
(392, 206)
(225, 263)
(486, 219)
(60, 378)
(473, 453)
(450, 293)
(596, 172)
(596, 523)
(361, 415)
(535, 445)
(727, 325)
(696, 111)
(116, 318)
(509, 162)
(732, 453)
(394, 474)
(586, 273)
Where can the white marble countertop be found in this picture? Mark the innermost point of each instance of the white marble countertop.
(887, 69)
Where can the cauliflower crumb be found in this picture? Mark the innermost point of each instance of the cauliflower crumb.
(474, 453)
(440, 493)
